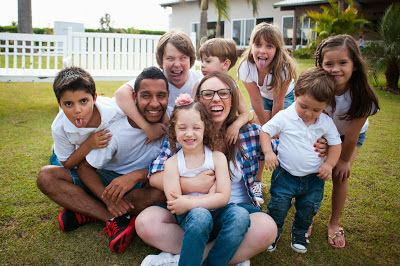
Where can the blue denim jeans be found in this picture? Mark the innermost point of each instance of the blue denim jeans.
(227, 225)
(308, 192)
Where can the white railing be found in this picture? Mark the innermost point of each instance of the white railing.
(112, 56)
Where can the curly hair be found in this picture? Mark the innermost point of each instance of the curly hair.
(210, 138)
(364, 101)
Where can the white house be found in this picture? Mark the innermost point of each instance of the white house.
(186, 16)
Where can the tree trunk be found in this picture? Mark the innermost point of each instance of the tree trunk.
(218, 29)
(392, 74)
(25, 16)
(203, 19)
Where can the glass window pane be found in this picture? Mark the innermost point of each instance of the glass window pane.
(249, 28)
(287, 30)
(236, 31)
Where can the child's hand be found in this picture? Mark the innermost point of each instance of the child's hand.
(179, 205)
(232, 134)
(342, 170)
(99, 139)
(154, 131)
(325, 171)
(271, 162)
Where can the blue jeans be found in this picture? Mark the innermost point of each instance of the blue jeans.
(228, 225)
(308, 192)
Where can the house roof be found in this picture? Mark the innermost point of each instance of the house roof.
(165, 3)
(286, 3)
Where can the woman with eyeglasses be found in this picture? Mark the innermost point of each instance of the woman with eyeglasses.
(158, 227)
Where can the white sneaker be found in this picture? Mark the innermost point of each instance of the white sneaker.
(162, 259)
(243, 263)
(256, 188)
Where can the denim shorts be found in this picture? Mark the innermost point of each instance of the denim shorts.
(289, 99)
(360, 140)
(250, 208)
(106, 176)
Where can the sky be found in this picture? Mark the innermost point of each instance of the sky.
(140, 14)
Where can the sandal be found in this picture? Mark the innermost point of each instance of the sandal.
(340, 233)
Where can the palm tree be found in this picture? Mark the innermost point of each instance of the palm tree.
(222, 7)
(388, 50)
(25, 16)
(333, 20)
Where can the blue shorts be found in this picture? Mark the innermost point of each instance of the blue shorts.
(106, 176)
(250, 208)
(360, 140)
(289, 99)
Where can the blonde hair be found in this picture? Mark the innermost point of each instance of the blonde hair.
(281, 60)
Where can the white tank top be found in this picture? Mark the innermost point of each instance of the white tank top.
(207, 165)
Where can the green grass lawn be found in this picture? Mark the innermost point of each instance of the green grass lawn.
(30, 233)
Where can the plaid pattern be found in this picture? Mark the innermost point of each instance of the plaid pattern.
(249, 136)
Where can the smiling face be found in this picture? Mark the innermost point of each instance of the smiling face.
(339, 64)
(218, 108)
(176, 65)
(152, 99)
(308, 108)
(212, 64)
(78, 106)
(189, 129)
(263, 53)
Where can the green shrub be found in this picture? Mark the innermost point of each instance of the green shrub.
(304, 53)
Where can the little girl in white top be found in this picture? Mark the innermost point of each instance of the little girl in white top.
(202, 216)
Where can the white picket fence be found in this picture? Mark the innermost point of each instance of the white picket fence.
(37, 57)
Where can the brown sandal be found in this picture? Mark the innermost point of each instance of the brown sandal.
(340, 233)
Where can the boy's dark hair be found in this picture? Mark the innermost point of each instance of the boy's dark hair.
(180, 40)
(150, 73)
(317, 83)
(221, 48)
(73, 79)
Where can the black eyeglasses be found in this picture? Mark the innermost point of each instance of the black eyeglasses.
(222, 93)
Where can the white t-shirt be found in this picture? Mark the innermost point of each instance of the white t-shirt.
(296, 152)
(248, 73)
(67, 137)
(174, 92)
(207, 165)
(343, 103)
(238, 187)
(126, 151)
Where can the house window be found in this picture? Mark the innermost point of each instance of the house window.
(211, 29)
(241, 31)
(287, 30)
(304, 31)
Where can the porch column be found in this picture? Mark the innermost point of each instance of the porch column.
(294, 32)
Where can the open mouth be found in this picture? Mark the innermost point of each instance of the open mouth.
(217, 110)
(262, 61)
(79, 122)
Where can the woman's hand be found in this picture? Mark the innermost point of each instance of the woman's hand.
(322, 147)
(342, 170)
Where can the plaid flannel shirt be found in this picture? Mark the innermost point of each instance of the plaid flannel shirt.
(249, 136)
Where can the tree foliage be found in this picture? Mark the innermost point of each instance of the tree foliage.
(333, 21)
(387, 51)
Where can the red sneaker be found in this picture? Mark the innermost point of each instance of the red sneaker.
(121, 230)
(70, 221)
